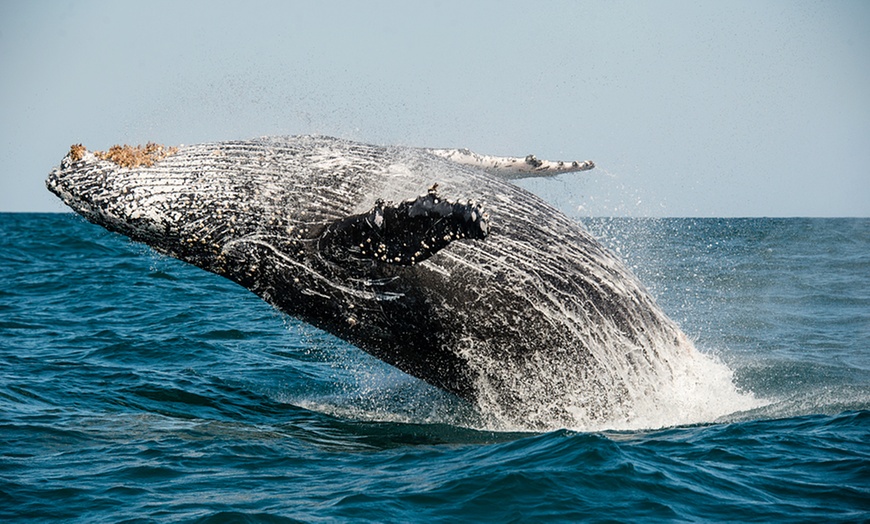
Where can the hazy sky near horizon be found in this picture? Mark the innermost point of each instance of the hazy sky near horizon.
(739, 108)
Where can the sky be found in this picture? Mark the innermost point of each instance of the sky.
(708, 109)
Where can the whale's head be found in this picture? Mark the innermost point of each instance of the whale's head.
(306, 209)
(205, 203)
(200, 203)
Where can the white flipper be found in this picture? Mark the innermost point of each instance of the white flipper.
(512, 168)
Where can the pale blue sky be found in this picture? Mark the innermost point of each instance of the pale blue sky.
(758, 108)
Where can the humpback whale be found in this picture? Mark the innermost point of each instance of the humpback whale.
(428, 259)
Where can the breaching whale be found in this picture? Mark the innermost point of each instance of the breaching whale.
(430, 260)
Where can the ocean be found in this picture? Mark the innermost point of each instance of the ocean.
(135, 388)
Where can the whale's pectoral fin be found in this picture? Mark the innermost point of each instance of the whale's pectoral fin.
(404, 234)
(512, 168)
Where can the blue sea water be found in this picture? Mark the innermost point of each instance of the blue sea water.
(134, 388)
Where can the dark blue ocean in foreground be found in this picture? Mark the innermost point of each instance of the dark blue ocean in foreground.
(134, 388)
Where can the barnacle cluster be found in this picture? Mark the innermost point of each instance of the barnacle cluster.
(129, 156)
(77, 152)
